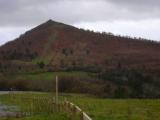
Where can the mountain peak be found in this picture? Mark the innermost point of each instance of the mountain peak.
(48, 24)
(50, 21)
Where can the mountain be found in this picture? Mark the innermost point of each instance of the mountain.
(114, 66)
(66, 47)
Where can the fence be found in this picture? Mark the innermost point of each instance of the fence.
(76, 110)
(49, 105)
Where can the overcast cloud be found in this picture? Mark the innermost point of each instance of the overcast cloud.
(139, 18)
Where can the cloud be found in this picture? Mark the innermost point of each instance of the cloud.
(147, 7)
(31, 12)
(153, 3)
(10, 33)
(145, 28)
(142, 14)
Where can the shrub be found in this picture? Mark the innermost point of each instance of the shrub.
(41, 64)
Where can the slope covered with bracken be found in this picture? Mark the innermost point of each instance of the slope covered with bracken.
(114, 66)
(64, 47)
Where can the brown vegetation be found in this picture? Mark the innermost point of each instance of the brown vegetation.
(64, 46)
(125, 66)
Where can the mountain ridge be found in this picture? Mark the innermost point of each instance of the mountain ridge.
(65, 46)
(114, 66)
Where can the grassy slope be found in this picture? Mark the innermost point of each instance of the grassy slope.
(45, 75)
(112, 109)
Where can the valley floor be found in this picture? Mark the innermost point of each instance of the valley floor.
(96, 108)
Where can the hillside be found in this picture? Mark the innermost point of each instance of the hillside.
(63, 46)
(87, 62)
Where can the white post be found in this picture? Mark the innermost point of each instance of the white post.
(56, 89)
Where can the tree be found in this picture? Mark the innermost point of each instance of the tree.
(62, 64)
(41, 64)
(64, 51)
(87, 52)
(0, 65)
(120, 92)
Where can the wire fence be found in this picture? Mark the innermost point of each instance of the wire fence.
(40, 105)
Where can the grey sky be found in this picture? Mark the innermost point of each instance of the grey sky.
(127, 17)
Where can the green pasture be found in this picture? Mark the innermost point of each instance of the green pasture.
(45, 75)
(101, 109)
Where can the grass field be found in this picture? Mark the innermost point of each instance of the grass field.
(45, 75)
(57, 116)
(103, 109)
(31, 106)
(51, 75)
(118, 109)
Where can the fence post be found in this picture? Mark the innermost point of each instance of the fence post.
(81, 115)
(56, 89)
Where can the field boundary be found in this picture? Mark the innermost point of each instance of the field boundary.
(63, 106)
(76, 110)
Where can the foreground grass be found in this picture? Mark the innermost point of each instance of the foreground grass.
(104, 109)
(33, 106)
(118, 109)
(57, 116)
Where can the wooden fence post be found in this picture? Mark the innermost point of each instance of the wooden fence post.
(81, 115)
(56, 89)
